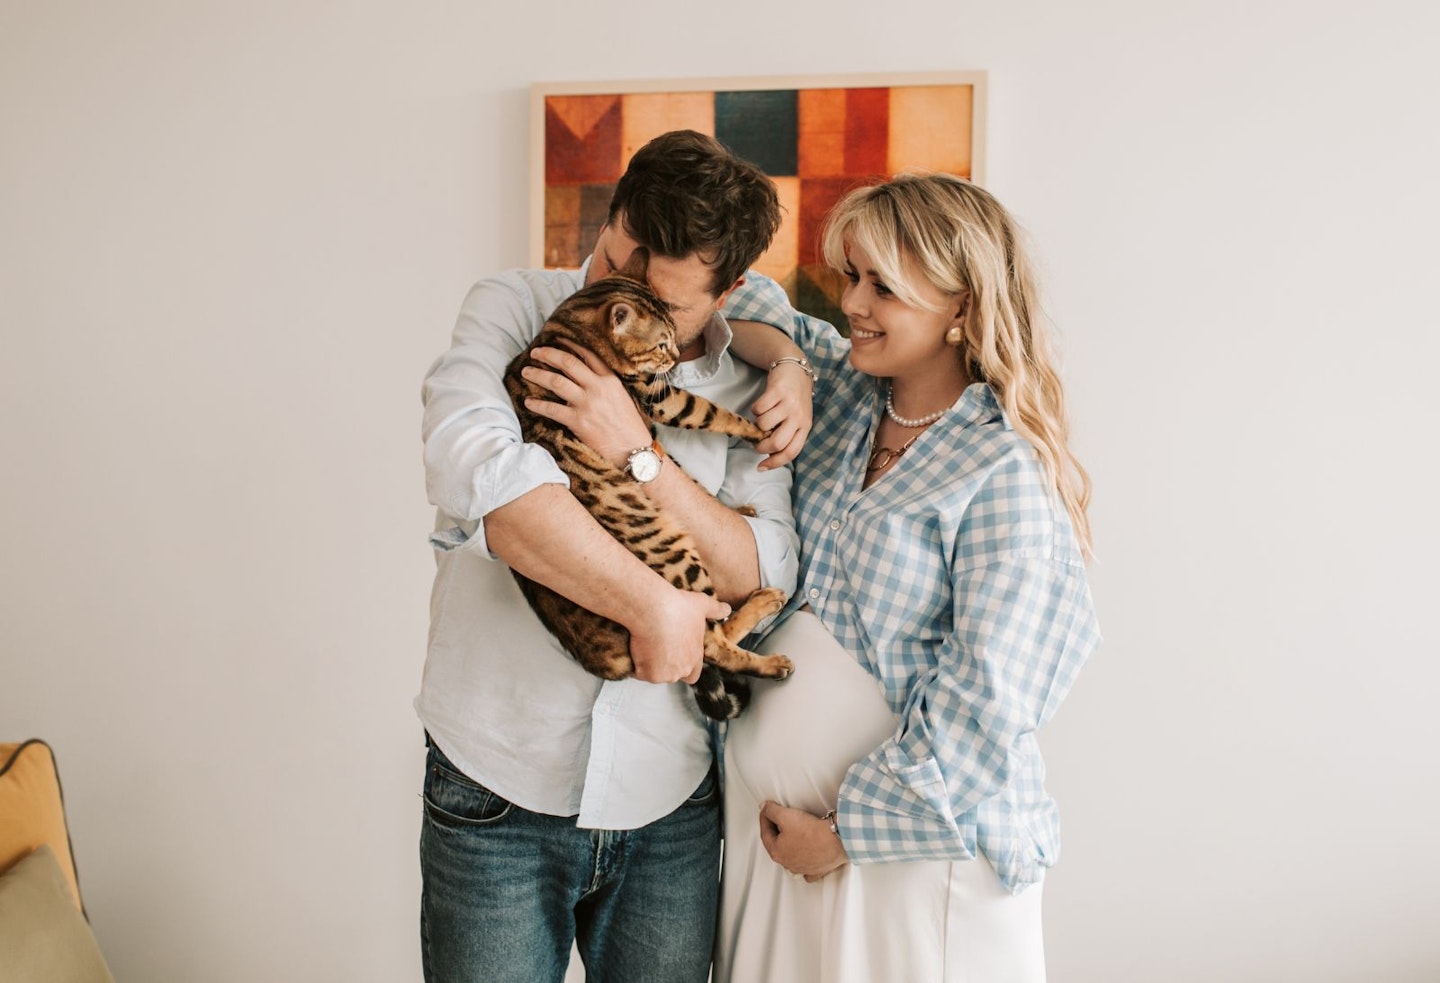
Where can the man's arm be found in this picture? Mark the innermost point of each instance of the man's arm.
(549, 537)
(510, 500)
(721, 535)
(601, 413)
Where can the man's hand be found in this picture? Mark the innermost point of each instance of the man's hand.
(800, 842)
(784, 410)
(596, 408)
(669, 646)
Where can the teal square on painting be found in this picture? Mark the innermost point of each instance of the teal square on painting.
(762, 126)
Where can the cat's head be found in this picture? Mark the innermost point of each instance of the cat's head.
(629, 325)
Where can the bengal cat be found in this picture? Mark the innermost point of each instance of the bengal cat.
(622, 321)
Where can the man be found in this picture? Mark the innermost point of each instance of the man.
(558, 807)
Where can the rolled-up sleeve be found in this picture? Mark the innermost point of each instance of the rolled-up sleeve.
(475, 457)
(1024, 626)
(777, 544)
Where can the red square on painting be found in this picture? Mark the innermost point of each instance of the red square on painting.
(817, 197)
(867, 132)
(582, 140)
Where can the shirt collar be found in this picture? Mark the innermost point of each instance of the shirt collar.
(717, 337)
(977, 405)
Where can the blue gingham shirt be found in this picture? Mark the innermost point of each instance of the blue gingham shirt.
(956, 580)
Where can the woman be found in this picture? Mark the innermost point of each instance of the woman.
(886, 817)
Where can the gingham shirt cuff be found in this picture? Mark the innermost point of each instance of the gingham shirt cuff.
(889, 814)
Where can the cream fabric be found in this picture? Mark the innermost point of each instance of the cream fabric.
(940, 921)
(43, 936)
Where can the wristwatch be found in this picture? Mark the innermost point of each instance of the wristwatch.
(644, 463)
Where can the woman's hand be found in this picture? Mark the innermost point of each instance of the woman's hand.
(785, 412)
(596, 406)
(800, 842)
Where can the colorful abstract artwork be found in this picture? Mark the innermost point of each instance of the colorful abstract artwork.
(816, 137)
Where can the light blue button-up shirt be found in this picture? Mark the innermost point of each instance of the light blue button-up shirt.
(956, 580)
(499, 696)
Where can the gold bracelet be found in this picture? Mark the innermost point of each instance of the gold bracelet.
(804, 364)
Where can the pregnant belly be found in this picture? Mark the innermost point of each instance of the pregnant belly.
(799, 736)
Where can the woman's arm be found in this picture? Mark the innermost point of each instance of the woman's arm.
(1023, 629)
(762, 321)
(785, 410)
(1020, 627)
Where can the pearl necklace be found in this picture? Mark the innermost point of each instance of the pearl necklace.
(923, 421)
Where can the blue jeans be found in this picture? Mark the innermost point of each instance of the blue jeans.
(506, 891)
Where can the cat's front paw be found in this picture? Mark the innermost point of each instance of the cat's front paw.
(774, 667)
(767, 599)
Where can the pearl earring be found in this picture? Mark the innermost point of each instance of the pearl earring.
(954, 336)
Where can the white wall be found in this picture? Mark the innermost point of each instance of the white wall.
(232, 239)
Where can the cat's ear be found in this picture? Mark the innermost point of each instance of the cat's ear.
(623, 319)
(638, 265)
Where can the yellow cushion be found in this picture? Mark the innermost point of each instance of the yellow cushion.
(32, 812)
(43, 939)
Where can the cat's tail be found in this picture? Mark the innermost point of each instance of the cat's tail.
(721, 694)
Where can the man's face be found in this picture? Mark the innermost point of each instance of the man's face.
(683, 284)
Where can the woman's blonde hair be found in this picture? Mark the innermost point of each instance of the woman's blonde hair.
(964, 242)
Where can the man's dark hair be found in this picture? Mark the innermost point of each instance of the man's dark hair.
(686, 193)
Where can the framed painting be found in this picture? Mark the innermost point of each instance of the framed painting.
(816, 137)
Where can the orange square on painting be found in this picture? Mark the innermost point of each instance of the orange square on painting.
(647, 115)
(822, 132)
(562, 204)
(930, 128)
(562, 246)
(783, 256)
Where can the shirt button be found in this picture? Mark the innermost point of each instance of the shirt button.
(835, 523)
(814, 593)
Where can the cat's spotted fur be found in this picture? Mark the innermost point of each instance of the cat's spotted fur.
(621, 320)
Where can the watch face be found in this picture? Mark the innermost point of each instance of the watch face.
(645, 465)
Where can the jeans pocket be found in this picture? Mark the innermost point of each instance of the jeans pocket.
(456, 802)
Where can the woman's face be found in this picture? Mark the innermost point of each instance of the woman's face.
(889, 338)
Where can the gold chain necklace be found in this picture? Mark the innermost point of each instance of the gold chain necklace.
(884, 456)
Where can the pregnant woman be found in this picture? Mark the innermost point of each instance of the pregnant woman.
(886, 816)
